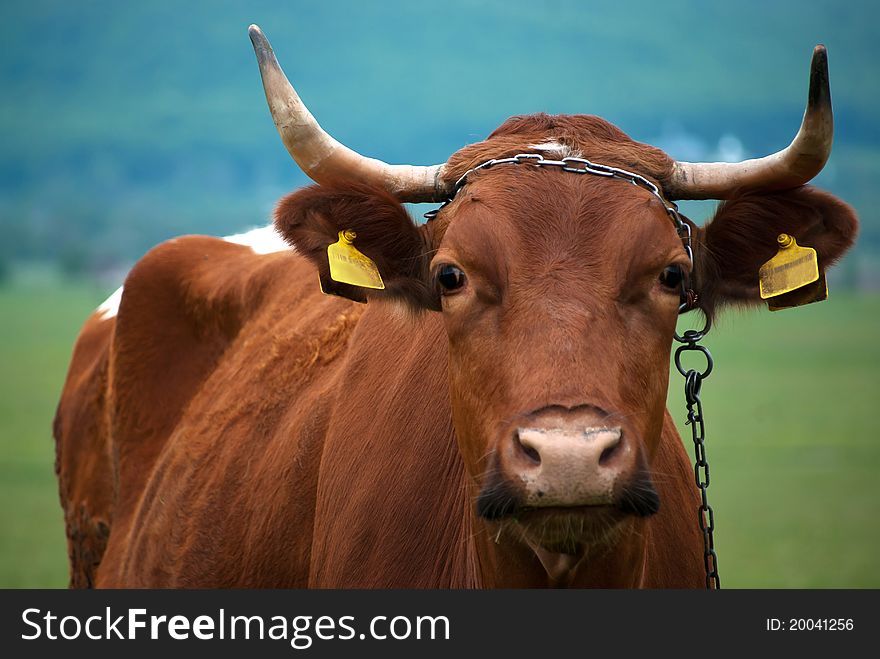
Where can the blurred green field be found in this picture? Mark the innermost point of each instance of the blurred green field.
(791, 438)
(39, 326)
(792, 442)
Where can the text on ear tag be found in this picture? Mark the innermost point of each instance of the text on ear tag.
(349, 266)
(792, 267)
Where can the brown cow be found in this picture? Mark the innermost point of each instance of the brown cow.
(494, 417)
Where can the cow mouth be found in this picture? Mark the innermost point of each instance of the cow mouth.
(570, 530)
(567, 529)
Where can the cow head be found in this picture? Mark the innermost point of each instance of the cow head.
(559, 292)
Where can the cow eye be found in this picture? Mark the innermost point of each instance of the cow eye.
(450, 278)
(672, 276)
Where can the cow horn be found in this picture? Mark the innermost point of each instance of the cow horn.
(795, 165)
(324, 159)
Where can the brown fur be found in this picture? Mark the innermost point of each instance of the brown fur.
(235, 428)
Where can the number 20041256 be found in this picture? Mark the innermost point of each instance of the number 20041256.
(810, 624)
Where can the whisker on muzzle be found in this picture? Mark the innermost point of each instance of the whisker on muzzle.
(497, 498)
(639, 497)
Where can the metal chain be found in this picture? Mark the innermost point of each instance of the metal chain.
(579, 166)
(693, 383)
(693, 379)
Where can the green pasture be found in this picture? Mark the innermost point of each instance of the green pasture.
(792, 439)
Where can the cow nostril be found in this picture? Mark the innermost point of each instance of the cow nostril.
(611, 450)
(530, 451)
(608, 454)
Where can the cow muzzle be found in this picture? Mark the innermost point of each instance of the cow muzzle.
(567, 460)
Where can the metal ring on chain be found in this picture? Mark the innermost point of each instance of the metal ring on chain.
(692, 336)
(694, 347)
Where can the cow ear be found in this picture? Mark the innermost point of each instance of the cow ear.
(742, 237)
(310, 220)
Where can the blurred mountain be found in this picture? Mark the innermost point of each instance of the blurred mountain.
(122, 124)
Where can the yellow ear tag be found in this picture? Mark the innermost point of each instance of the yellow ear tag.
(349, 266)
(792, 267)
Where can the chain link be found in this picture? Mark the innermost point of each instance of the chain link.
(693, 379)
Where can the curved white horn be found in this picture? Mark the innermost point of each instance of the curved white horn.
(795, 165)
(324, 159)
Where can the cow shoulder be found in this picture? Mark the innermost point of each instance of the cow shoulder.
(183, 304)
(220, 371)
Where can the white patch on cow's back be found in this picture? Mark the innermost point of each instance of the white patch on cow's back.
(263, 240)
(110, 307)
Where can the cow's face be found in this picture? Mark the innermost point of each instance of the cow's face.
(559, 293)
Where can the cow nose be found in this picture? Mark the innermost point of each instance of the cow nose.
(595, 445)
(571, 465)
